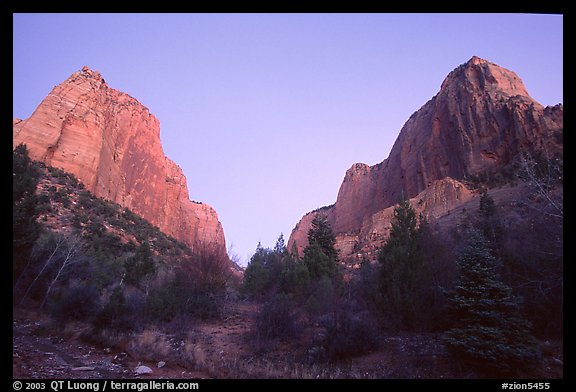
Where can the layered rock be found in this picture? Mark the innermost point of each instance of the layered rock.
(111, 143)
(481, 118)
(441, 197)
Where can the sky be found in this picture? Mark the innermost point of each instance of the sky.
(264, 113)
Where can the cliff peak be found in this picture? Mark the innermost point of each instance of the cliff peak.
(111, 142)
(86, 69)
(481, 76)
(481, 118)
(87, 72)
(358, 169)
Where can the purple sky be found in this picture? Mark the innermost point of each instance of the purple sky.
(266, 112)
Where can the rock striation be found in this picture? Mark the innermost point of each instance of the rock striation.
(481, 118)
(111, 143)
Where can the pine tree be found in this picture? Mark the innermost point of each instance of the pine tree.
(320, 256)
(321, 233)
(487, 205)
(294, 251)
(491, 332)
(280, 247)
(295, 277)
(489, 219)
(402, 269)
(317, 262)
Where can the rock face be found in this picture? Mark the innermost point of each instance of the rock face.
(481, 118)
(111, 143)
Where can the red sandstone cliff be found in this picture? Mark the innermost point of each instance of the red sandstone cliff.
(111, 143)
(481, 118)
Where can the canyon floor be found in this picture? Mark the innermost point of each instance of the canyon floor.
(223, 349)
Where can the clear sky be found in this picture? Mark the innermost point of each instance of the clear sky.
(266, 112)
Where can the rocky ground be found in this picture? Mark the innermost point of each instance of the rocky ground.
(38, 355)
(42, 349)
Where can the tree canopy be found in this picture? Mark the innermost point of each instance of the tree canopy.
(490, 330)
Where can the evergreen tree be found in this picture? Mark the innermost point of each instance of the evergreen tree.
(280, 247)
(256, 275)
(321, 234)
(489, 221)
(294, 251)
(320, 256)
(490, 330)
(487, 205)
(266, 269)
(276, 262)
(317, 263)
(402, 270)
(295, 277)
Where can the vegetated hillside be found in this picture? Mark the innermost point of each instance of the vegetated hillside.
(111, 142)
(66, 207)
(79, 257)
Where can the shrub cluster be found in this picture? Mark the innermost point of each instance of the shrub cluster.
(110, 267)
(303, 294)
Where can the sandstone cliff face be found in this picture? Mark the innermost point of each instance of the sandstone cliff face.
(111, 143)
(441, 197)
(481, 118)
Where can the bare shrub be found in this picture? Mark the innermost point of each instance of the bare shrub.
(210, 267)
(348, 333)
(50, 259)
(150, 345)
(196, 287)
(193, 355)
(119, 340)
(77, 303)
(275, 320)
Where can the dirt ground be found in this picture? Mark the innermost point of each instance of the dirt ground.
(224, 349)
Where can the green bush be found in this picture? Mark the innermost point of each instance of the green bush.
(262, 276)
(85, 200)
(256, 276)
(44, 205)
(323, 298)
(295, 278)
(181, 297)
(318, 263)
